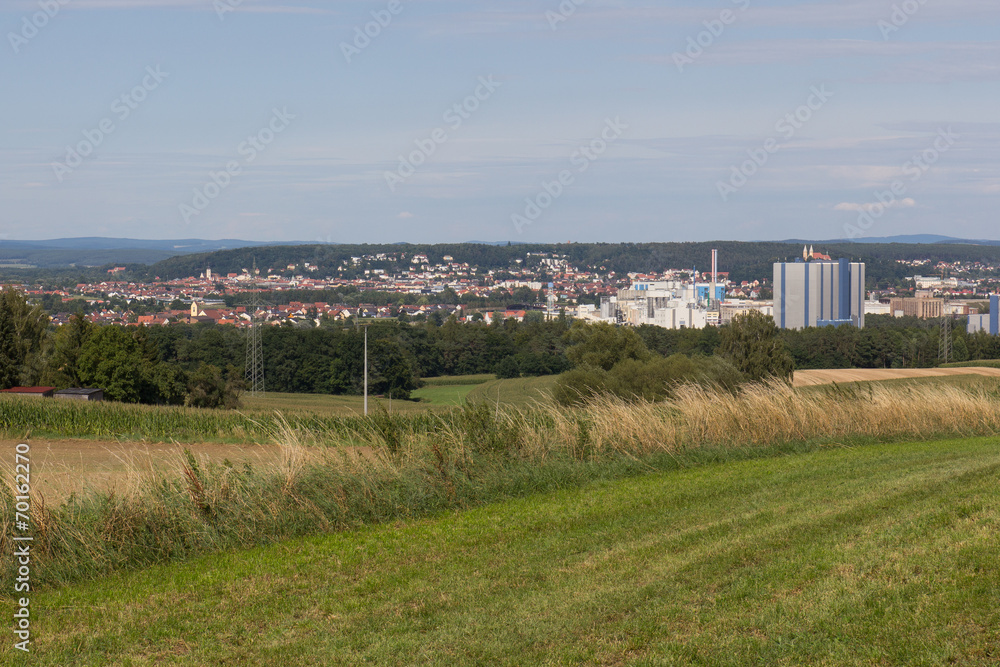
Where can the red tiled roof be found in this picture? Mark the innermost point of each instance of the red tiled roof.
(28, 390)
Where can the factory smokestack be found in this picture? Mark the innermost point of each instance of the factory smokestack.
(715, 277)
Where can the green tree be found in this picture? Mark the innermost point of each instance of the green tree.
(126, 365)
(30, 336)
(603, 345)
(63, 365)
(390, 372)
(9, 366)
(753, 344)
(207, 388)
(508, 368)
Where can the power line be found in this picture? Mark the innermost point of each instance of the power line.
(254, 366)
(945, 351)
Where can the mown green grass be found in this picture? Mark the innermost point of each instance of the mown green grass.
(883, 554)
(517, 392)
(459, 379)
(443, 394)
(324, 404)
(255, 420)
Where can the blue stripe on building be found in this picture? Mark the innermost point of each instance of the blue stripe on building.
(844, 307)
(995, 314)
(822, 291)
(783, 297)
(805, 311)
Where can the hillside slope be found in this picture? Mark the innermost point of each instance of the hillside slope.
(845, 556)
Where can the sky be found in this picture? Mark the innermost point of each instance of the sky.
(433, 121)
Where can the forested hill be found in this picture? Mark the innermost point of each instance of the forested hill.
(743, 260)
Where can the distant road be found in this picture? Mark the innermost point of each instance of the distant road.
(811, 377)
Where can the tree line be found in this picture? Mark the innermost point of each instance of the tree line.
(885, 342)
(202, 364)
(125, 362)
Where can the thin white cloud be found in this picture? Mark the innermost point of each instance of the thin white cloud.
(872, 206)
(612, 15)
(251, 6)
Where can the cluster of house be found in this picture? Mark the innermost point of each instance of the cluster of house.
(672, 298)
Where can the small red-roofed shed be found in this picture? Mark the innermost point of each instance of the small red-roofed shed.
(42, 392)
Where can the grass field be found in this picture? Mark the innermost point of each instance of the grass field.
(518, 392)
(326, 405)
(876, 555)
(253, 422)
(459, 379)
(437, 392)
(985, 363)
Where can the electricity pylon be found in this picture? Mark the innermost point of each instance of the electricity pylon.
(254, 367)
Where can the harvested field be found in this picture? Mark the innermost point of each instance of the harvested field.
(814, 377)
(62, 467)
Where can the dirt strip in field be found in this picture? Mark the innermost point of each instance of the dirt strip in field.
(813, 377)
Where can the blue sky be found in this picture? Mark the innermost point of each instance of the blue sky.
(607, 120)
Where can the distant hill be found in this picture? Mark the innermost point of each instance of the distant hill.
(743, 260)
(751, 260)
(100, 251)
(903, 238)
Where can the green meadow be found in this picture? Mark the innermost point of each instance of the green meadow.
(882, 554)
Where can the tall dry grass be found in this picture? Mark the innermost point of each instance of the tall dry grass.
(392, 466)
(757, 416)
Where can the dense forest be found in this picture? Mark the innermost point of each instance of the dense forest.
(329, 359)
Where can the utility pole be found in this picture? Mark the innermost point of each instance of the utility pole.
(366, 370)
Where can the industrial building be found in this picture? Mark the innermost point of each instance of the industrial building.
(990, 323)
(679, 303)
(819, 293)
(923, 307)
(672, 304)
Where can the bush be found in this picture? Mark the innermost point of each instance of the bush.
(507, 368)
(752, 343)
(208, 389)
(603, 345)
(652, 380)
(579, 385)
